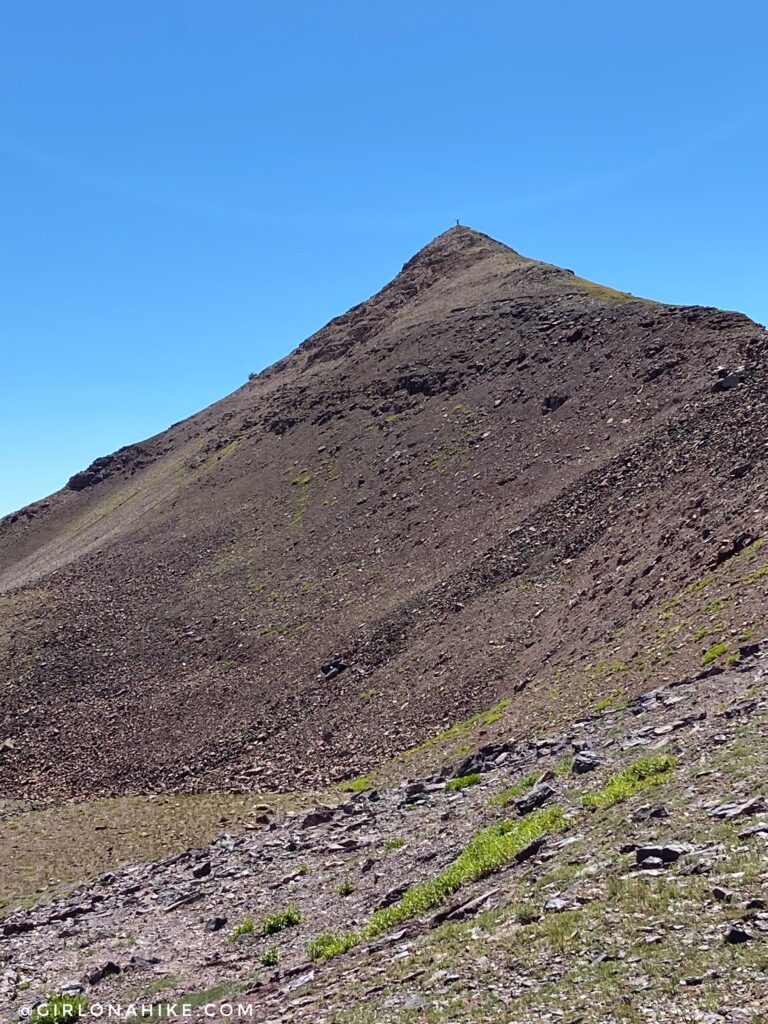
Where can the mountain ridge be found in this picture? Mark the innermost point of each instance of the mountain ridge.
(402, 522)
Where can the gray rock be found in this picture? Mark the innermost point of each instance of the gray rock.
(106, 970)
(736, 934)
(756, 805)
(530, 850)
(651, 863)
(727, 379)
(557, 905)
(585, 761)
(724, 895)
(534, 798)
(665, 854)
(463, 909)
(17, 927)
(413, 1002)
(319, 816)
(745, 708)
(393, 895)
(72, 988)
(141, 963)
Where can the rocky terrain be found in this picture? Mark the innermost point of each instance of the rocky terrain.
(421, 680)
(632, 887)
(451, 495)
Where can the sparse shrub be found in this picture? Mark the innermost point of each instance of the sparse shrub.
(245, 927)
(283, 919)
(346, 888)
(463, 781)
(59, 1008)
(648, 771)
(303, 869)
(270, 957)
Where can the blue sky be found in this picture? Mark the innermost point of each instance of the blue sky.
(188, 189)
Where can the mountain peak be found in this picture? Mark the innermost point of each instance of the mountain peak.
(459, 245)
(447, 255)
(389, 493)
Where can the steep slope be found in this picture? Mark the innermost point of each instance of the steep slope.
(465, 489)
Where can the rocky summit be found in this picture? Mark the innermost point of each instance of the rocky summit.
(423, 678)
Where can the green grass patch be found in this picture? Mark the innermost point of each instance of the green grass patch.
(283, 919)
(330, 944)
(246, 927)
(608, 668)
(271, 925)
(463, 729)
(490, 850)
(270, 957)
(758, 574)
(604, 704)
(463, 781)
(396, 843)
(648, 771)
(358, 785)
(714, 652)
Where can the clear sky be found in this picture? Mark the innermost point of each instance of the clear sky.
(189, 188)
